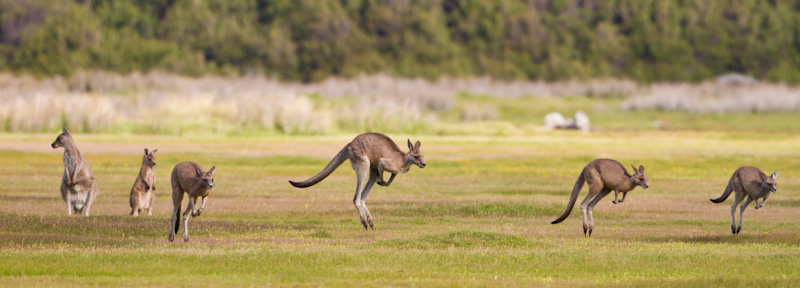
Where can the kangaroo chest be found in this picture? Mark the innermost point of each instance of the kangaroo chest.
(150, 178)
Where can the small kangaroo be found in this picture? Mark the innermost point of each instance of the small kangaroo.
(751, 182)
(78, 186)
(188, 177)
(143, 190)
(602, 175)
(370, 154)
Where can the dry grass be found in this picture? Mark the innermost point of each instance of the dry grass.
(717, 97)
(171, 104)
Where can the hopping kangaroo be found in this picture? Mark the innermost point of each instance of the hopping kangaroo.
(143, 190)
(188, 177)
(370, 154)
(78, 186)
(603, 176)
(751, 182)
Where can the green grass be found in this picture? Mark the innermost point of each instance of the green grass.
(478, 215)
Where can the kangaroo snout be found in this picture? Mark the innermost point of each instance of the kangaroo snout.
(422, 165)
(646, 186)
(210, 186)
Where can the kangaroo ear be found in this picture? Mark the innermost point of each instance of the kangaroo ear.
(641, 169)
(410, 147)
(211, 171)
(154, 152)
(417, 145)
(634, 169)
(145, 151)
(64, 131)
(775, 175)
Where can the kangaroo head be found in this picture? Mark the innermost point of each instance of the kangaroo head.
(61, 139)
(638, 177)
(149, 158)
(208, 177)
(414, 156)
(769, 182)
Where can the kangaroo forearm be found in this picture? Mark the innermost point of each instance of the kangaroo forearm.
(391, 178)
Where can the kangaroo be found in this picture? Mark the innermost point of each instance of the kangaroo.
(751, 182)
(370, 154)
(188, 177)
(602, 175)
(78, 186)
(143, 190)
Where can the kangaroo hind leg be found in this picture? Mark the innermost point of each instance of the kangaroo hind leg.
(373, 177)
(596, 199)
(361, 166)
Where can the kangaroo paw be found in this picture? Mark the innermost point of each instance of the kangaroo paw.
(739, 229)
(369, 220)
(590, 231)
(584, 230)
(185, 239)
(171, 238)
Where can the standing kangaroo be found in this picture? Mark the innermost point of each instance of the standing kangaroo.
(143, 190)
(188, 177)
(78, 186)
(752, 182)
(602, 175)
(370, 154)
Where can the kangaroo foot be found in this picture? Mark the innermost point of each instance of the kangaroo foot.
(381, 182)
(615, 201)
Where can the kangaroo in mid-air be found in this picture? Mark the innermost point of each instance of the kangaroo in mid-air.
(143, 190)
(751, 182)
(603, 176)
(188, 177)
(370, 154)
(78, 186)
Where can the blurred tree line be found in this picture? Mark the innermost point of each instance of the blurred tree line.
(309, 40)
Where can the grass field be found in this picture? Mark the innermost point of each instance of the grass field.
(478, 215)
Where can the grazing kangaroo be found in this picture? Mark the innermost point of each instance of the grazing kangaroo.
(143, 190)
(78, 186)
(188, 177)
(751, 182)
(370, 154)
(603, 176)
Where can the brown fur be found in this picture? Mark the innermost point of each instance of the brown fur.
(78, 186)
(188, 177)
(143, 190)
(370, 154)
(750, 182)
(603, 176)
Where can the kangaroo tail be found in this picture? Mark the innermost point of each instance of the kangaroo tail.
(725, 194)
(335, 162)
(573, 197)
(178, 220)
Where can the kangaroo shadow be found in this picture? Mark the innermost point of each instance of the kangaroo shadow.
(745, 238)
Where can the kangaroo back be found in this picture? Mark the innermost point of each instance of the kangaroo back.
(573, 197)
(335, 162)
(727, 192)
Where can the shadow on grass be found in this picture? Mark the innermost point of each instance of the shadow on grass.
(121, 230)
(461, 239)
(744, 238)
